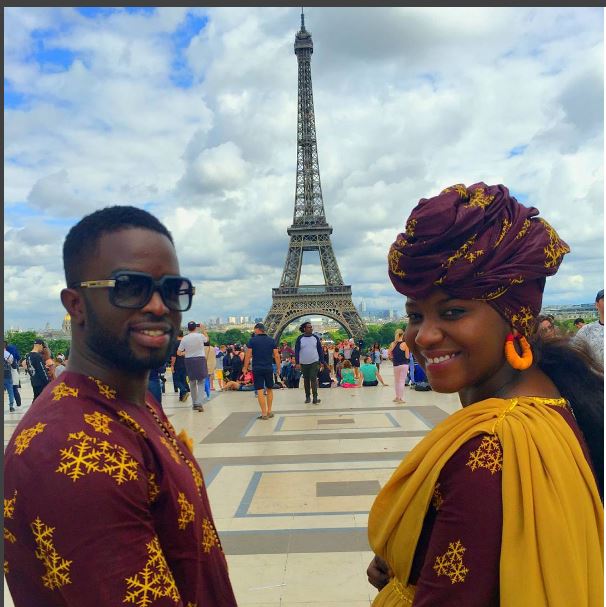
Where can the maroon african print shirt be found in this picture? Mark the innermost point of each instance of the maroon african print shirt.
(105, 506)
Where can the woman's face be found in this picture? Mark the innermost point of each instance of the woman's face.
(459, 343)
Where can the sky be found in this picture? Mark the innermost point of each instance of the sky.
(190, 113)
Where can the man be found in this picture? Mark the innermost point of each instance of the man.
(8, 377)
(36, 368)
(592, 334)
(12, 348)
(263, 351)
(192, 347)
(104, 504)
(579, 323)
(177, 367)
(308, 356)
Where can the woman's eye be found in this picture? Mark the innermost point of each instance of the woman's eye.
(413, 317)
(453, 313)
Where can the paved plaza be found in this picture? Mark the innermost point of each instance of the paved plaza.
(291, 495)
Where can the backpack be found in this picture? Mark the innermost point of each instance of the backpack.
(7, 369)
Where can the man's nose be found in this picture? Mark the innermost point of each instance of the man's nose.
(156, 305)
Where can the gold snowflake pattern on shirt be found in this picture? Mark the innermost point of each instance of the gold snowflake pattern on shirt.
(152, 488)
(62, 390)
(209, 536)
(25, 437)
(9, 511)
(187, 513)
(487, 456)
(88, 455)
(153, 582)
(127, 420)
(57, 568)
(556, 248)
(99, 421)
(104, 389)
(451, 563)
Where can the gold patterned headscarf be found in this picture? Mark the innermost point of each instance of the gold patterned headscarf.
(478, 243)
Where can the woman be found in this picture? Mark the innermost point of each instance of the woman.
(500, 503)
(324, 378)
(348, 379)
(370, 373)
(398, 352)
(375, 354)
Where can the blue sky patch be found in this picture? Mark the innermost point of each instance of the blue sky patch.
(13, 99)
(518, 150)
(192, 25)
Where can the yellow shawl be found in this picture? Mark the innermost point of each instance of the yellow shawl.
(552, 538)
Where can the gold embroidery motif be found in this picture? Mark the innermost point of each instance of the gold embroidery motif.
(516, 281)
(523, 229)
(437, 500)
(463, 250)
(127, 420)
(459, 188)
(171, 449)
(153, 582)
(524, 319)
(190, 604)
(104, 389)
(488, 455)
(187, 513)
(198, 480)
(471, 257)
(9, 511)
(25, 437)
(411, 225)
(556, 249)
(394, 259)
(405, 593)
(6, 568)
(57, 568)
(498, 292)
(62, 390)
(152, 488)
(209, 536)
(88, 455)
(451, 563)
(504, 229)
(479, 199)
(99, 421)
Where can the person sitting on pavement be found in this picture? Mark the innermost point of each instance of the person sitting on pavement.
(348, 379)
(370, 373)
(324, 378)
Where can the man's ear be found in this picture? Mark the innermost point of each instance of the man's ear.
(72, 301)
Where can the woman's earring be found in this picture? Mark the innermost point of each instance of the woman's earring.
(520, 363)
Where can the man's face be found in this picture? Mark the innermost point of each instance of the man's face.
(130, 339)
(308, 329)
(599, 304)
(546, 328)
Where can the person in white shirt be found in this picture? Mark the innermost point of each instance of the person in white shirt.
(8, 378)
(192, 347)
(592, 334)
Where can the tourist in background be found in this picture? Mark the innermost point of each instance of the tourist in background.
(579, 323)
(36, 369)
(324, 378)
(546, 325)
(355, 360)
(348, 378)
(59, 365)
(8, 378)
(592, 335)
(191, 347)
(370, 373)
(308, 354)
(375, 354)
(15, 372)
(399, 354)
(177, 367)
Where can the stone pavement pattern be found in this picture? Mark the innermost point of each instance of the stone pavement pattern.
(290, 496)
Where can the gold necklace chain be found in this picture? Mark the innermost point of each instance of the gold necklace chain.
(173, 441)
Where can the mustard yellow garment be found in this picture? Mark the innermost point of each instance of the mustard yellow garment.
(552, 538)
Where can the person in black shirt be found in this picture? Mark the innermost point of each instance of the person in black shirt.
(355, 361)
(236, 363)
(264, 352)
(324, 378)
(177, 365)
(34, 364)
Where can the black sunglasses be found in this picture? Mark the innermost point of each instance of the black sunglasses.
(130, 289)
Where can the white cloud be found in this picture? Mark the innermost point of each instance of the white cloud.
(407, 101)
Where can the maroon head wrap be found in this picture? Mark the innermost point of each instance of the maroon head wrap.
(478, 243)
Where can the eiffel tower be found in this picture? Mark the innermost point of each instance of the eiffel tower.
(309, 230)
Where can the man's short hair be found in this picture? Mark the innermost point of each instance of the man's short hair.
(303, 325)
(39, 341)
(578, 320)
(600, 295)
(260, 326)
(81, 241)
(191, 325)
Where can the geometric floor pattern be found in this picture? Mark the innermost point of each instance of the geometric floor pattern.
(290, 496)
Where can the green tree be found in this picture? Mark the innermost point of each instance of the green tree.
(24, 340)
(58, 346)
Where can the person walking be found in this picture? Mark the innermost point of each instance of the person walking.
(8, 378)
(399, 353)
(192, 348)
(263, 351)
(308, 356)
(36, 368)
(106, 502)
(177, 367)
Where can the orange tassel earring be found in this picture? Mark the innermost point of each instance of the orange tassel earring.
(513, 358)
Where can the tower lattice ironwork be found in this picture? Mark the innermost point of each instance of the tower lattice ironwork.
(310, 230)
